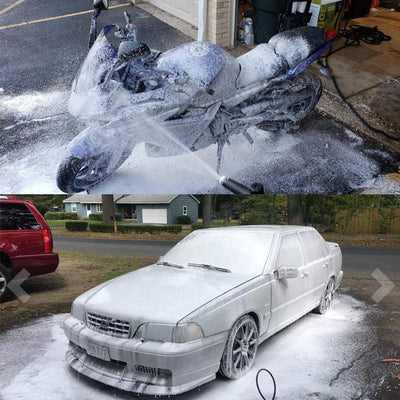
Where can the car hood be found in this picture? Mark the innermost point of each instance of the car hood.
(159, 293)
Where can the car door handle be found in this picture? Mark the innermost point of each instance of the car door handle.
(304, 275)
(325, 265)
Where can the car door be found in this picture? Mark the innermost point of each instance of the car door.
(316, 266)
(287, 302)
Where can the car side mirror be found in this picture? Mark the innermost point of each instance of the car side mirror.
(100, 4)
(287, 272)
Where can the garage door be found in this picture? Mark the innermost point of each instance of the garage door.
(154, 215)
(184, 9)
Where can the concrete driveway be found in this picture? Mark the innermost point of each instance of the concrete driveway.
(42, 48)
(319, 357)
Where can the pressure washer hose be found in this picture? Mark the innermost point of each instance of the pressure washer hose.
(258, 386)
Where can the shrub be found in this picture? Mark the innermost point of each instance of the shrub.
(99, 217)
(183, 219)
(149, 228)
(76, 226)
(197, 225)
(61, 215)
(101, 228)
(253, 218)
(96, 217)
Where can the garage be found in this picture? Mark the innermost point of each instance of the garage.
(186, 10)
(154, 215)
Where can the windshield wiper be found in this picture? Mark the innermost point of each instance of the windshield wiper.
(211, 267)
(168, 264)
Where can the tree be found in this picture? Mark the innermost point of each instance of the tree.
(295, 215)
(108, 208)
(207, 211)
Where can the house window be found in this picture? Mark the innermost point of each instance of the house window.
(88, 207)
(73, 207)
(98, 208)
(184, 211)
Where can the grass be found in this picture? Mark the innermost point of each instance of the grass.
(53, 293)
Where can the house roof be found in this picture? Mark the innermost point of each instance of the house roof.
(125, 198)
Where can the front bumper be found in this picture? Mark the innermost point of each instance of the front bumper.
(149, 367)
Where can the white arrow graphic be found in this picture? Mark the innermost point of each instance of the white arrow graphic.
(15, 285)
(386, 285)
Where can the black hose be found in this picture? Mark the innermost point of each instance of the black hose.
(258, 386)
(354, 35)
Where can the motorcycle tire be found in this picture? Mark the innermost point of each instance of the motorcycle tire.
(304, 91)
(78, 174)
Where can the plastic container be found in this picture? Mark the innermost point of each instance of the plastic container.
(268, 15)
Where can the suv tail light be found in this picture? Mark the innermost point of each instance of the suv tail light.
(47, 241)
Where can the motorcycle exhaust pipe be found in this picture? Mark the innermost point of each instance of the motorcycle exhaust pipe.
(238, 188)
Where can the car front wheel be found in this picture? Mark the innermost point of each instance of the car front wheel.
(240, 348)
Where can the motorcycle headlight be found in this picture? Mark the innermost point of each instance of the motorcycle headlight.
(78, 311)
(180, 333)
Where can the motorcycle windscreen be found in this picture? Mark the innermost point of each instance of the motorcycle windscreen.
(88, 96)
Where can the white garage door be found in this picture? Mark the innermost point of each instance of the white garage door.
(154, 215)
(184, 9)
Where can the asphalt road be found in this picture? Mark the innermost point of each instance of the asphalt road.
(358, 262)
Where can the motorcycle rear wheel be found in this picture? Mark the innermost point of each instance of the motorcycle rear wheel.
(303, 90)
(79, 174)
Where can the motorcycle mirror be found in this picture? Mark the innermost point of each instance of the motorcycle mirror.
(100, 4)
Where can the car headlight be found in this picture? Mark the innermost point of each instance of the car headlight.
(180, 333)
(78, 311)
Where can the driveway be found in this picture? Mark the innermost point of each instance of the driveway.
(319, 157)
(319, 357)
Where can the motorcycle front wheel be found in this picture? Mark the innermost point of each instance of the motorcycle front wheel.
(79, 174)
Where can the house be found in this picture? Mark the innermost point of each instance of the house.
(146, 209)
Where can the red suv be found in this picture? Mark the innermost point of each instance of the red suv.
(25, 241)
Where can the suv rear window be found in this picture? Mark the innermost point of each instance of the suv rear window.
(16, 216)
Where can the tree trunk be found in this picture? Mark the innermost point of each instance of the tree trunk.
(295, 214)
(108, 208)
(207, 211)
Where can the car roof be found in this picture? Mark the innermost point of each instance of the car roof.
(263, 228)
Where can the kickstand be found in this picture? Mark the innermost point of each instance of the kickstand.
(220, 144)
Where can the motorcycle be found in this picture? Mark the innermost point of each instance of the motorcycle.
(195, 94)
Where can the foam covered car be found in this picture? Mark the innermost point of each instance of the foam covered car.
(203, 308)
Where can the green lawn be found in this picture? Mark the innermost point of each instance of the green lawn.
(54, 223)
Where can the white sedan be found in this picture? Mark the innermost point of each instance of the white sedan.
(203, 308)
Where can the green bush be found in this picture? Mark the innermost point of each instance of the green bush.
(101, 228)
(96, 217)
(149, 228)
(253, 218)
(60, 215)
(197, 225)
(76, 226)
(99, 217)
(183, 219)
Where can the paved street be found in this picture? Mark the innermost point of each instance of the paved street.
(358, 262)
(39, 62)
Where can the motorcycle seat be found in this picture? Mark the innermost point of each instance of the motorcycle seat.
(283, 51)
(207, 65)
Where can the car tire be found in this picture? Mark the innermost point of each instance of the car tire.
(327, 298)
(5, 278)
(240, 348)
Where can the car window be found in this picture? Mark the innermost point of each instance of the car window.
(290, 254)
(312, 245)
(16, 216)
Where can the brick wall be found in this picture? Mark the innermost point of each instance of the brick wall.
(219, 22)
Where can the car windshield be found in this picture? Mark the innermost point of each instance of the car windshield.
(241, 252)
